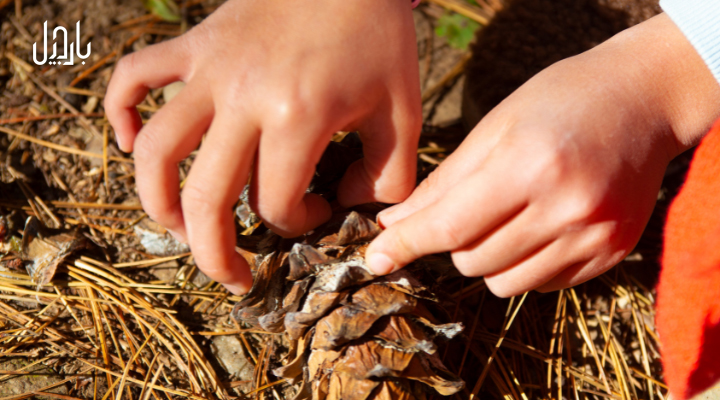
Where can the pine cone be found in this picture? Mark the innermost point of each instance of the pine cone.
(353, 335)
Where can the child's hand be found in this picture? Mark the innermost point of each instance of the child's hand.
(556, 184)
(270, 82)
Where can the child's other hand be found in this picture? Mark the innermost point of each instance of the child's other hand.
(556, 184)
(270, 82)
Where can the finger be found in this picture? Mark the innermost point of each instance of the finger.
(562, 259)
(387, 172)
(134, 75)
(216, 179)
(454, 169)
(584, 271)
(508, 243)
(458, 219)
(284, 168)
(170, 136)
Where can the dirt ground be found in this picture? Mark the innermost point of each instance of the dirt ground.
(133, 284)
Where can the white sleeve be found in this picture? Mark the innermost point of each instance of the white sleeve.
(699, 20)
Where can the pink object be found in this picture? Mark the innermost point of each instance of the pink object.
(415, 3)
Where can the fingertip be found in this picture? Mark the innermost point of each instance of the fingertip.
(126, 125)
(353, 190)
(381, 264)
(242, 277)
(312, 211)
(180, 237)
(318, 209)
(501, 287)
(386, 218)
(235, 275)
(236, 289)
(358, 186)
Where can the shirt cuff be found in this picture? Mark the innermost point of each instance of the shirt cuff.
(699, 21)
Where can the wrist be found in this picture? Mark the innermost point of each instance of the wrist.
(680, 93)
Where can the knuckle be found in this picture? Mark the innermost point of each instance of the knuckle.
(449, 233)
(289, 113)
(431, 182)
(198, 202)
(148, 148)
(126, 64)
(551, 166)
(404, 245)
(579, 210)
(287, 108)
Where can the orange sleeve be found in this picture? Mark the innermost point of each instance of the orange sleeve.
(688, 309)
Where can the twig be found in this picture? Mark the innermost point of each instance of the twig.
(30, 193)
(119, 207)
(105, 159)
(506, 327)
(82, 92)
(449, 77)
(84, 122)
(107, 58)
(49, 116)
(149, 263)
(472, 12)
(64, 187)
(60, 147)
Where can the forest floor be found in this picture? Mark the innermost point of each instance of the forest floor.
(129, 314)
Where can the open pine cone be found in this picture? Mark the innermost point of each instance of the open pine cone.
(352, 335)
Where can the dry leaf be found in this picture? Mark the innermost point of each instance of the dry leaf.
(44, 254)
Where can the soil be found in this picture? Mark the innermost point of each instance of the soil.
(528, 36)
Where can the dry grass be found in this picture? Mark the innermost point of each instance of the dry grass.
(107, 328)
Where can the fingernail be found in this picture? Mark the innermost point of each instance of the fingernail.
(235, 289)
(380, 264)
(385, 214)
(177, 236)
(122, 146)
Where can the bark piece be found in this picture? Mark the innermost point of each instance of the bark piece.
(43, 253)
